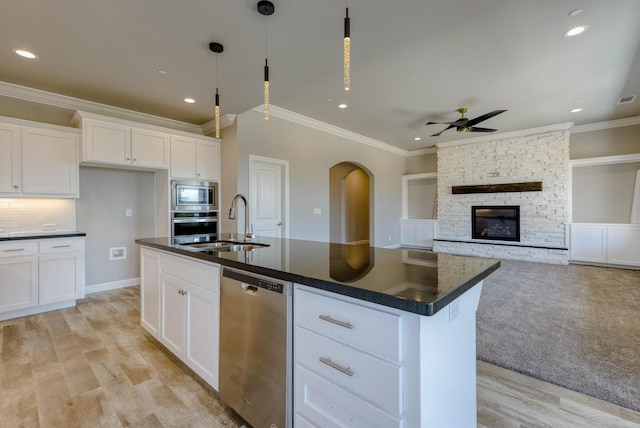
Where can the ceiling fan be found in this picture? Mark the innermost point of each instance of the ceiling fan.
(464, 124)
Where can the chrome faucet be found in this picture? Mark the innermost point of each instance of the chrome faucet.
(232, 214)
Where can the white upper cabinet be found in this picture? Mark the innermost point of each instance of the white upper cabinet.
(38, 161)
(119, 144)
(10, 159)
(195, 158)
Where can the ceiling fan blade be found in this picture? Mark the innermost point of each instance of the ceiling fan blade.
(484, 117)
(438, 123)
(437, 134)
(478, 129)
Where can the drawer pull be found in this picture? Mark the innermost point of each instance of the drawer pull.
(62, 246)
(333, 365)
(331, 320)
(13, 249)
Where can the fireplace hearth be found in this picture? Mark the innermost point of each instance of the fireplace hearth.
(496, 223)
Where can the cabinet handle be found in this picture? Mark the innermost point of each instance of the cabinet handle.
(15, 186)
(331, 320)
(13, 249)
(62, 246)
(333, 365)
(128, 158)
(134, 159)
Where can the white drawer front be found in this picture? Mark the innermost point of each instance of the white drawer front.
(370, 329)
(18, 248)
(61, 245)
(372, 378)
(204, 275)
(328, 406)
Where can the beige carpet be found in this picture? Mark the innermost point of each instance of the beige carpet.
(574, 326)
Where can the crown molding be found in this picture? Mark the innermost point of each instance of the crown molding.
(605, 160)
(225, 120)
(607, 124)
(62, 101)
(419, 152)
(514, 134)
(281, 113)
(39, 125)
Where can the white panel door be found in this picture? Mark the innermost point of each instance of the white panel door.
(588, 243)
(60, 277)
(623, 245)
(173, 333)
(18, 283)
(49, 162)
(207, 160)
(10, 159)
(266, 198)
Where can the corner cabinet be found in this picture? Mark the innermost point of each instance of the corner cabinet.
(194, 158)
(180, 306)
(40, 275)
(38, 161)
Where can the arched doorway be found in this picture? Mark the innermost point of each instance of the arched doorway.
(351, 204)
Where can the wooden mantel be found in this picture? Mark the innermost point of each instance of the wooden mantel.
(533, 186)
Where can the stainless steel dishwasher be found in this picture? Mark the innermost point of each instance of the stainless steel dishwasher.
(255, 336)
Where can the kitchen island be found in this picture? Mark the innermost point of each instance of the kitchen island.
(407, 355)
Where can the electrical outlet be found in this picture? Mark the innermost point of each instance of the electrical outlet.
(317, 210)
(454, 310)
(128, 212)
(49, 226)
(118, 253)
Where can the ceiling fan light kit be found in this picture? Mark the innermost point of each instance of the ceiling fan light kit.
(464, 124)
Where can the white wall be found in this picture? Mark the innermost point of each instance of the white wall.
(311, 153)
(543, 215)
(623, 140)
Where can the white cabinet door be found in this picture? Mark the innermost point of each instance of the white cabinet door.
(589, 243)
(10, 159)
(203, 335)
(61, 277)
(208, 160)
(49, 162)
(106, 142)
(623, 245)
(18, 282)
(173, 333)
(150, 291)
(183, 157)
(149, 148)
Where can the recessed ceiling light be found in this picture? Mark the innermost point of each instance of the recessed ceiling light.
(24, 53)
(189, 100)
(575, 12)
(342, 106)
(576, 110)
(576, 30)
(417, 138)
(162, 71)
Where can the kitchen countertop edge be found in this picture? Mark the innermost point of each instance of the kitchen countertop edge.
(43, 236)
(420, 308)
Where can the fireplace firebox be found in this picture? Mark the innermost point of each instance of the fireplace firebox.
(497, 223)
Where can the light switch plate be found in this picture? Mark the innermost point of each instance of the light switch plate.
(317, 210)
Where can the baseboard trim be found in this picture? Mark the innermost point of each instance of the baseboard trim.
(37, 310)
(392, 246)
(105, 286)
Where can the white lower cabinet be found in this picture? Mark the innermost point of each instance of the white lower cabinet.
(40, 275)
(180, 306)
(616, 244)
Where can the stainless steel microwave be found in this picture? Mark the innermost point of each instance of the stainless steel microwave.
(193, 195)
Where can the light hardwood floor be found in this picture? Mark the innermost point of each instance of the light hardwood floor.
(93, 366)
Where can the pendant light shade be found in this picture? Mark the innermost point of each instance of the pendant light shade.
(347, 51)
(266, 8)
(217, 48)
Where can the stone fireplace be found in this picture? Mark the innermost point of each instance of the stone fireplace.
(530, 172)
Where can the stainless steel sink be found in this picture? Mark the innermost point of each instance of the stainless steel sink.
(218, 246)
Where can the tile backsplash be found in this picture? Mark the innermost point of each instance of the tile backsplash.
(30, 215)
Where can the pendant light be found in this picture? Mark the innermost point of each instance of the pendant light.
(217, 48)
(347, 51)
(266, 8)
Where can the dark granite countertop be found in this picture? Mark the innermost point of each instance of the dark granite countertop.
(416, 281)
(17, 236)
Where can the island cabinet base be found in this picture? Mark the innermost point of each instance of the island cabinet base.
(360, 364)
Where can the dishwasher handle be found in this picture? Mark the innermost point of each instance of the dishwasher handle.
(271, 284)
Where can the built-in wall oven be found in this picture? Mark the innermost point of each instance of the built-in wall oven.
(194, 210)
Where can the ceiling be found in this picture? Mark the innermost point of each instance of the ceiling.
(413, 61)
